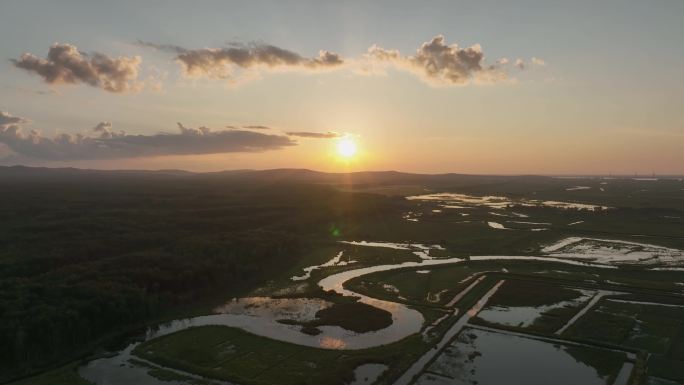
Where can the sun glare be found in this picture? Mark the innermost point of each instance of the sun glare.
(346, 148)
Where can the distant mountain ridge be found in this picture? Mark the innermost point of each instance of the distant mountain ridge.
(272, 175)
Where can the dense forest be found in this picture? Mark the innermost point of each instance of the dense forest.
(90, 255)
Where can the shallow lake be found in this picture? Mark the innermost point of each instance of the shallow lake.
(525, 316)
(489, 358)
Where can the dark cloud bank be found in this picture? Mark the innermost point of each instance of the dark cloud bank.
(109, 144)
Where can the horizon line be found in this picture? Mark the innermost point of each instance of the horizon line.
(559, 175)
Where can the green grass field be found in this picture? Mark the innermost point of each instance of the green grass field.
(231, 354)
(658, 330)
(65, 375)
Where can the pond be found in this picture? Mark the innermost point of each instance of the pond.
(500, 202)
(490, 358)
(525, 316)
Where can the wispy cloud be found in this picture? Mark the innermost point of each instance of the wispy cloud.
(221, 63)
(538, 61)
(65, 64)
(105, 143)
(318, 135)
(6, 119)
(257, 127)
(533, 62)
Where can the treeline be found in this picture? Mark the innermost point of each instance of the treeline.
(54, 313)
(91, 257)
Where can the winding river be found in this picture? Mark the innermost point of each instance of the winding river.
(260, 315)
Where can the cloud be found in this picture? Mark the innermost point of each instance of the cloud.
(6, 119)
(65, 64)
(161, 47)
(103, 127)
(435, 62)
(520, 63)
(538, 62)
(221, 63)
(440, 64)
(24, 90)
(319, 135)
(105, 131)
(534, 61)
(257, 127)
(107, 144)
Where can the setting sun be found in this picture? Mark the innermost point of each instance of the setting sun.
(346, 147)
